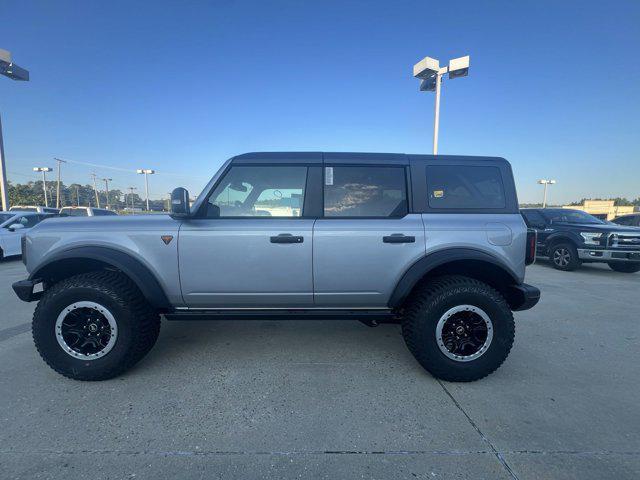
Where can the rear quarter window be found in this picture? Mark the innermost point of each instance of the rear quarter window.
(465, 187)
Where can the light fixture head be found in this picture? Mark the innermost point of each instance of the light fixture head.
(11, 70)
(425, 68)
(459, 67)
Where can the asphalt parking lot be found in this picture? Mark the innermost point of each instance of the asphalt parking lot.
(334, 400)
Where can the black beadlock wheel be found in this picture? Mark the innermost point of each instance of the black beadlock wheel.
(564, 256)
(625, 267)
(458, 328)
(94, 326)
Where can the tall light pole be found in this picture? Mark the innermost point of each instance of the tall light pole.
(95, 189)
(58, 205)
(14, 72)
(131, 189)
(146, 173)
(545, 182)
(44, 171)
(106, 186)
(430, 73)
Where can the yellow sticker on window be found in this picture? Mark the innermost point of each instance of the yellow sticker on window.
(438, 193)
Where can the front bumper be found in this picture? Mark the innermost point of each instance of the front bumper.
(25, 290)
(604, 255)
(522, 297)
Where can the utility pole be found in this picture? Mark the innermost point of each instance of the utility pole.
(106, 186)
(44, 171)
(95, 189)
(14, 72)
(77, 196)
(58, 204)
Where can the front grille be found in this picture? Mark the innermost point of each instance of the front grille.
(625, 240)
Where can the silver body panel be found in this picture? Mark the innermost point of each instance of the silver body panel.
(232, 263)
(352, 267)
(138, 236)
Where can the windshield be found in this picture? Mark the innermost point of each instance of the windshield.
(73, 212)
(571, 216)
(23, 209)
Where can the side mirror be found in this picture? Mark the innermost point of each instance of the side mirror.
(16, 226)
(180, 203)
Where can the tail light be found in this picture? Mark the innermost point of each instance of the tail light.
(23, 248)
(532, 239)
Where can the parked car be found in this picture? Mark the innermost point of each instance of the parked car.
(85, 212)
(434, 243)
(12, 227)
(33, 208)
(570, 237)
(631, 220)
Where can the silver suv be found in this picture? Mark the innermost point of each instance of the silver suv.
(434, 243)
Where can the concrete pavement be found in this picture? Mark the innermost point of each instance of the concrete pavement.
(322, 399)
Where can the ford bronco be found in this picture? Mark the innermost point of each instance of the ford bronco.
(435, 243)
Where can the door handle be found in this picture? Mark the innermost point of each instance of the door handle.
(286, 238)
(399, 238)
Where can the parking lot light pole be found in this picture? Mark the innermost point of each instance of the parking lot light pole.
(44, 171)
(545, 182)
(106, 186)
(146, 172)
(14, 72)
(430, 73)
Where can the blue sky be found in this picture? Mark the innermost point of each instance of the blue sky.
(180, 86)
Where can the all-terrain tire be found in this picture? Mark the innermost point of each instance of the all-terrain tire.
(625, 267)
(138, 325)
(564, 256)
(430, 302)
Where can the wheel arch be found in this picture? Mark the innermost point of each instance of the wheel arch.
(78, 260)
(461, 261)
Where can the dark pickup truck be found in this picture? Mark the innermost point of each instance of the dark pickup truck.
(570, 237)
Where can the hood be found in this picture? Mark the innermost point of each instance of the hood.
(597, 227)
(108, 223)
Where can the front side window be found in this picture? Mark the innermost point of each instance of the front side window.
(365, 191)
(465, 187)
(259, 191)
(571, 216)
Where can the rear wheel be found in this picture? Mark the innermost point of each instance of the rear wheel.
(94, 326)
(625, 267)
(458, 328)
(564, 256)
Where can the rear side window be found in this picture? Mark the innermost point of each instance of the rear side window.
(73, 212)
(363, 191)
(465, 187)
(533, 218)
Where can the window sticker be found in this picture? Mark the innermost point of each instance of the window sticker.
(438, 193)
(328, 176)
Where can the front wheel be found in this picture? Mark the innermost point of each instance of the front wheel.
(624, 267)
(94, 326)
(564, 256)
(458, 328)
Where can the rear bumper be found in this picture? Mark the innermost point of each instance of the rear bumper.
(596, 255)
(523, 297)
(24, 290)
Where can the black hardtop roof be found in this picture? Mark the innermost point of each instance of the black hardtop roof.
(353, 157)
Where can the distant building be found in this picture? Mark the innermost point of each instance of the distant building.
(604, 209)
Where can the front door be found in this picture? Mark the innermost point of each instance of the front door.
(366, 239)
(252, 248)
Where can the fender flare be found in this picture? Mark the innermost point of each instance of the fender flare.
(433, 260)
(133, 268)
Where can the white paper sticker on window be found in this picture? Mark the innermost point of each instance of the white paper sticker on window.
(328, 176)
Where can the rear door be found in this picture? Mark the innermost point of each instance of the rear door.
(366, 237)
(251, 246)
